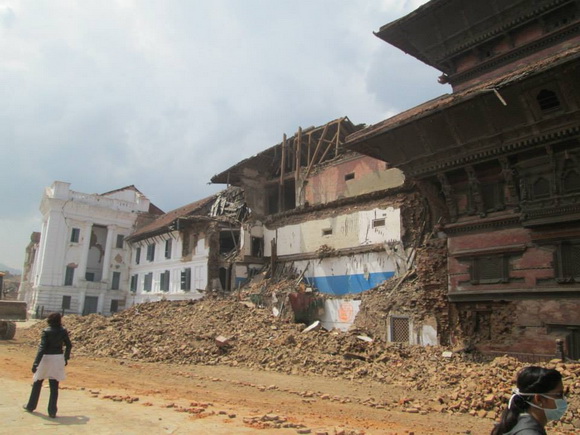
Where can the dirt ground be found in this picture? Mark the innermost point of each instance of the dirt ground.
(236, 400)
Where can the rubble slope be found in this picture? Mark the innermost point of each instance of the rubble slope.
(231, 332)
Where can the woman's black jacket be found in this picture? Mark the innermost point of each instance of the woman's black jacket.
(51, 343)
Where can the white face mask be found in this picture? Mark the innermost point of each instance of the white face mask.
(553, 414)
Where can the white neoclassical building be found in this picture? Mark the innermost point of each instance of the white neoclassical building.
(81, 262)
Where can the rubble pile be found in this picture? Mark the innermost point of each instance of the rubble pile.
(236, 333)
(417, 294)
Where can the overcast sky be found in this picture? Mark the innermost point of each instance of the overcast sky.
(165, 94)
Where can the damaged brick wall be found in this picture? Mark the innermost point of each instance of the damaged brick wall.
(421, 293)
(381, 199)
(351, 175)
(342, 246)
(524, 312)
(530, 327)
(474, 324)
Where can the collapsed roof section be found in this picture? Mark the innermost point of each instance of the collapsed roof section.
(307, 147)
(274, 179)
(227, 205)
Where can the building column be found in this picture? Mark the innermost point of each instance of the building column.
(39, 267)
(86, 239)
(81, 300)
(107, 257)
(101, 303)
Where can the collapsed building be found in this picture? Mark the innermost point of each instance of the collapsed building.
(498, 161)
(486, 181)
(342, 221)
(183, 253)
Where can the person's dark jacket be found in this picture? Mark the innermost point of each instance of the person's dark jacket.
(527, 425)
(51, 343)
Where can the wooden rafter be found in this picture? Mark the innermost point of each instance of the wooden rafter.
(282, 172)
(338, 128)
(298, 154)
(318, 145)
(330, 145)
(283, 160)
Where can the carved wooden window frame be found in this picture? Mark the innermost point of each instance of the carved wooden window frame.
(569, 165)
(567, 262)
(534, 191)
(477, 276)
(535, 105)
(495, 189)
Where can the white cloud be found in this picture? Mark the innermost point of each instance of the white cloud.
(7, 16)
(164, 95)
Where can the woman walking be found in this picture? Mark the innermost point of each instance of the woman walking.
(538, 399)
(49, 363)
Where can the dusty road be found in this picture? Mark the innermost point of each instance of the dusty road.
(206, 400)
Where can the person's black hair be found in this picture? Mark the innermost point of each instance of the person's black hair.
(54, 320)
(531, 379)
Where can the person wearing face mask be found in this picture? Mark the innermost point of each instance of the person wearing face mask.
(538, 399)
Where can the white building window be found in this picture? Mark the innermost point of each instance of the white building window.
(164, 281)
(134, 281)
(198, 282)
(69, 275)
(75, 235)
(116, 281)
(151, 252)
(148, 282)
(186, 279)
(378, 223)
(168, 245)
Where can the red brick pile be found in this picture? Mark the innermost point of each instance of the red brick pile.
(234, 333)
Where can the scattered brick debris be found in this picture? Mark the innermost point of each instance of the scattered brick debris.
(184, 332)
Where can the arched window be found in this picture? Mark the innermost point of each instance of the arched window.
(548, 100)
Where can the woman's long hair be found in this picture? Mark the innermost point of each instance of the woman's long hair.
(531, 379)
(54, 320)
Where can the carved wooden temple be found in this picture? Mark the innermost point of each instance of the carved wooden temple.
(499, 161)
